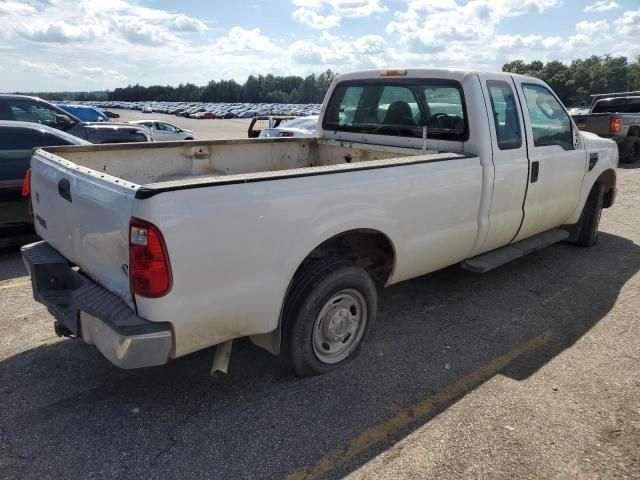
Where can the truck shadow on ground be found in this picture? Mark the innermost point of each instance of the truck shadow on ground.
(66, 412)
(12, 266)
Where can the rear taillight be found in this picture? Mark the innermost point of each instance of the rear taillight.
(26, 184)
(285, 134)
(615, 125)
(149, 267)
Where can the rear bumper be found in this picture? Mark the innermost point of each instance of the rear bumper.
(85, 309)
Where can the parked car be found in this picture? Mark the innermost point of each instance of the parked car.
(36, 110)
(163, 131)
(285, 239)
(147, 109)
(260, 122)
(615, 116)
(84, 112)
(299, 127)
(17, 140)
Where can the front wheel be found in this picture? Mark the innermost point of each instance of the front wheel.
(587, 227)
(328, 315)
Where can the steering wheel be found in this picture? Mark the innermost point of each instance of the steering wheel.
(436, 117)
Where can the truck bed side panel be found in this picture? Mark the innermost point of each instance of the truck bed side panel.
(234, 248)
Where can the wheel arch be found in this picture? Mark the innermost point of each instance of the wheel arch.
(369, 248)
(608, 179)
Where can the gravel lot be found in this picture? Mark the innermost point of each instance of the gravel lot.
(529, 371)
(204, 129)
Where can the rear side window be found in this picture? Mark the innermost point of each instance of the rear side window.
(505, 115)
(27, 140)
(26, 111)
(621, 105)
(399, 108)
(550, 123)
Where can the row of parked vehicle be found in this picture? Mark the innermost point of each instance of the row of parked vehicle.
(202, 110)
(30, 122)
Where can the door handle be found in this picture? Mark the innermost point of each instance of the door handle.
(535, 169)
(64, 189)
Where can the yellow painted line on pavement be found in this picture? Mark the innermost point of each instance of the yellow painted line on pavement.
(15, 284)
(420, 411)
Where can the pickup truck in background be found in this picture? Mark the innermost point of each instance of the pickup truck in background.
(154, 251)
(615, 116)
(32, 109)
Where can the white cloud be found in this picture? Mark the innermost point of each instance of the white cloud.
(311, 19)
(325, 14)
(628, 23)
(54, 32)
(108, 43)
(592, 28)
(344, 8)
(15, 8)
(64, 21)
(240, 41)
(98, 74)
(46, 69)
(331, 50)
(601, 6)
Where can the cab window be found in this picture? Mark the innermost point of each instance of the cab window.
(550, 123)
(505, 115)
(399, 107)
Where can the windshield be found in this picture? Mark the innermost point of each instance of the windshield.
(399, 107)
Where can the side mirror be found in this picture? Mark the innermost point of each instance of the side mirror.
(63, 121)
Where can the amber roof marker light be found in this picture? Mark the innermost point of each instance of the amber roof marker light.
(393, 72)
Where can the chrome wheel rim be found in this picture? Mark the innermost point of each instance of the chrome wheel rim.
(339, 326)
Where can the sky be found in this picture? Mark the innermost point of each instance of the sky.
(86, 45)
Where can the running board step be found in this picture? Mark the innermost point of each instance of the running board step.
(495, 258)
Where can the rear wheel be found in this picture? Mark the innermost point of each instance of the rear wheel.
(587, 227)
(328, 315)
(630, 150)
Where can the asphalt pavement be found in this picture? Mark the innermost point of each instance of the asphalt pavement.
(529, 371)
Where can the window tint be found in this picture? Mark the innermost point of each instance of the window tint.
(28, 111)
(550, 123)
(618, 105)
(166, 127)
(398, 108)
(27, 140)
(505, 115)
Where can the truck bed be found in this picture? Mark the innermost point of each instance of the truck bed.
(190, 163)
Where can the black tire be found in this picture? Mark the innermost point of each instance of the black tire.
(630, 150)
(587, 227)
(314, 286)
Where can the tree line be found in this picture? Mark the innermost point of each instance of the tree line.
(574, 83)
(256, 89)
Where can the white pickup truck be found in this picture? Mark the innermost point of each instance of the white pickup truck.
(154, 251)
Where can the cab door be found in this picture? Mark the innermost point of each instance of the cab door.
(557, 160)
(510, 160)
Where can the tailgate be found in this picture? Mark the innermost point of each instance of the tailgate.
(84, 215)
(597, 123)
